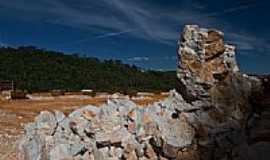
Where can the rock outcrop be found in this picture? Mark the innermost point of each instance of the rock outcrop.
(209, 117)
(204, 61)
(208, 74)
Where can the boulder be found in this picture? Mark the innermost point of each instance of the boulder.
(46, 123)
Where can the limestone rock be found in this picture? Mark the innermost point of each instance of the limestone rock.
(204, 59)
(31, 148)
(46, 123)
(131, 156)
(59, 116)
(178, 134)
(149, 152)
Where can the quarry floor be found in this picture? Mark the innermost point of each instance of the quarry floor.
(15, 113)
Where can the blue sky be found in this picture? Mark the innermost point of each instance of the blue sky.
(141, 32)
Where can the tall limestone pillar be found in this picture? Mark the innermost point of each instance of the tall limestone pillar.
(208, 75)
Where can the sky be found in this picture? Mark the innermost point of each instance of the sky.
(140, 32)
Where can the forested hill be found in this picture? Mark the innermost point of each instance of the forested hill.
(35, 69)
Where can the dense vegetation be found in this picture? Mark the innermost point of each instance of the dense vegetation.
(35, 69)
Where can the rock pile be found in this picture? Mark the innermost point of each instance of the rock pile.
(212, 121)
(118, 129)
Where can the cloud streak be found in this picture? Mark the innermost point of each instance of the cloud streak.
(138, 59)
(113, 34)
(248, 42)
(106, 35)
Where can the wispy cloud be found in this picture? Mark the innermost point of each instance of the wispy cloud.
(88, 39)
(112, 34)
(249, 42)
(138, 19)
(138, 59)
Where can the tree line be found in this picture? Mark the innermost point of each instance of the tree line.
(37, 70)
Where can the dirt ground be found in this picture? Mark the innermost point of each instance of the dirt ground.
(15, 113)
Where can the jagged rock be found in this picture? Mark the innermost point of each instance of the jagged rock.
(188, 154)
(31, 148)
(176, 102)
(204, 59)
(46, 123)
(150, 152)
(178, 133)
(116, 152)
(131, 156)
(61, 151)
(59, 116)
(78, 126)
